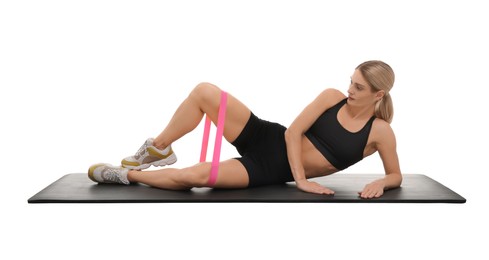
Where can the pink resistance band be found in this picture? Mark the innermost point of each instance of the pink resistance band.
(218, 142)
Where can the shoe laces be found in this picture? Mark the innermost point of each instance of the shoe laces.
(141, 151)
(112, 174)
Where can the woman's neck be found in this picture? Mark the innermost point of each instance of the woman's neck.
(360, 112)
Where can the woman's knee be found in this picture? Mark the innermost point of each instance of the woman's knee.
(193, 177)
(205, 91)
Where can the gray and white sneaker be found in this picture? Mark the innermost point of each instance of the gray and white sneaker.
(148, 155)
(106, 173)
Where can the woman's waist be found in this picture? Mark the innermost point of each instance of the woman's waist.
(313, 160)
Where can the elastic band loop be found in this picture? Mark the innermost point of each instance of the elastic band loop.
(218, 142)
(205, 139)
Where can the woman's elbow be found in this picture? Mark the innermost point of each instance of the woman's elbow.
(291, 134)
(287, 133)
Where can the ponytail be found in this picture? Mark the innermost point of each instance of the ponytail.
(384, 109)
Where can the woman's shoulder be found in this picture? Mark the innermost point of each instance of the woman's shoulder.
(324, 101)
(382, 129)
(333, 92)
(381, 124)
(332, 95)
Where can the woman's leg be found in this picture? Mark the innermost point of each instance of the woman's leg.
(232, 174)
(204, 99)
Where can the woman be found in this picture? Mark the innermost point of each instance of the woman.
(330, 134)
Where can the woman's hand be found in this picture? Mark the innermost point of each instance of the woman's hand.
(374, 189)
(313, 187)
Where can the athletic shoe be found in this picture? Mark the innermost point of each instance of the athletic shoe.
(106, 173)
(148, 155)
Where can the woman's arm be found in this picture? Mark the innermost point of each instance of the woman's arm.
(386, 146)
(295, 133)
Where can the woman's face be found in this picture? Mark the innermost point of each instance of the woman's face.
(360, 92)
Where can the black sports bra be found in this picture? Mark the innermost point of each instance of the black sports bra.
(339, 146)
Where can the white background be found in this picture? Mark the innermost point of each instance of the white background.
(88, 81)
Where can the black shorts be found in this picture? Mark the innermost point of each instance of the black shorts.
(264, 154)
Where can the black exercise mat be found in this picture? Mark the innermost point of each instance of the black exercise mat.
(416, 188)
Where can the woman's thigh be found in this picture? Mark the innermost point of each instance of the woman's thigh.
(231, 174)
(237, 113)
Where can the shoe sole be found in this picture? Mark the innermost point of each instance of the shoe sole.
(163, 162)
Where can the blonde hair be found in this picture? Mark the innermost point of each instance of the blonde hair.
(380, 76)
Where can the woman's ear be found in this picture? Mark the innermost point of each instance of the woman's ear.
(379, 95)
